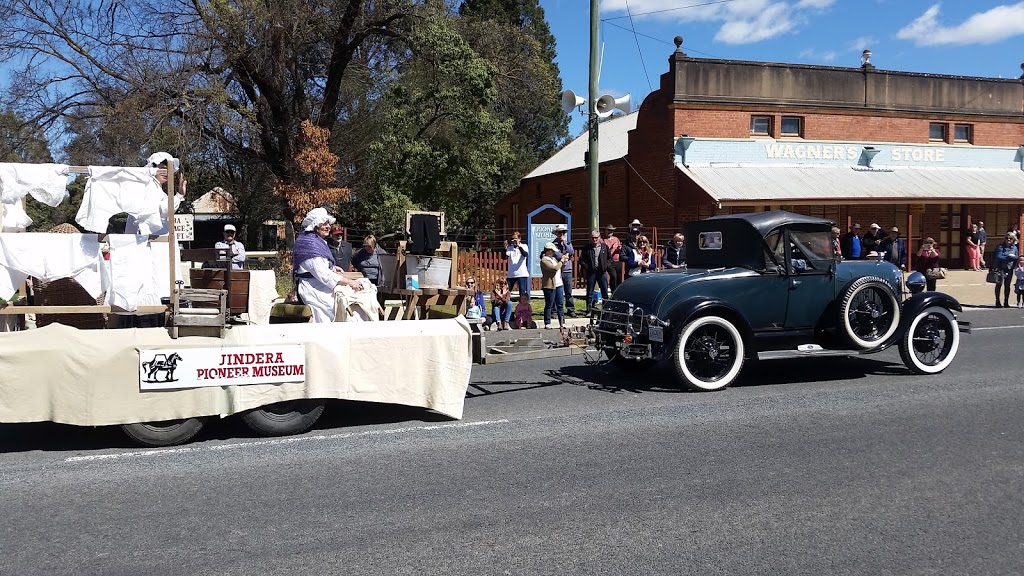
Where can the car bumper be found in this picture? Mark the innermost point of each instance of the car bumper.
(623, 328)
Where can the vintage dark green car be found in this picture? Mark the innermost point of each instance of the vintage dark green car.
(766, 285)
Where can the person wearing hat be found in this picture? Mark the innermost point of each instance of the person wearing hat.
(894, 249)
(233, 247)
(849, 243)
(161, 161)
(614, 250)
(551, 282)
(564, 247)
(872, 239)
(341, 248)
(313, 266)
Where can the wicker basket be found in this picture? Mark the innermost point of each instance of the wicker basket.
(67, 292)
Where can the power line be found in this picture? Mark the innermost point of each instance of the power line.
(670, 9)
(688, 48)
(640, 52)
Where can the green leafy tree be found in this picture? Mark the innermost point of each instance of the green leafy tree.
(441, 146)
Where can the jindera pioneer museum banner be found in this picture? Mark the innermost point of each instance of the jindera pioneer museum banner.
(170, 369)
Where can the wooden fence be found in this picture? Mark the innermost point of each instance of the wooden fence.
(486, 267)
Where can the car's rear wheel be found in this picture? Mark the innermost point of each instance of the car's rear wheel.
(931, 341)
(869, 312)
(709, 354)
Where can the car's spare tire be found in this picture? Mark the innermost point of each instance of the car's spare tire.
(284, 418)
(931, 341)
(869, 312)
(166, 433)
(708, 354)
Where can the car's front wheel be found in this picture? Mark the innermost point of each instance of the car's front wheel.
(709, 354)
(869, 312)
(930, 343)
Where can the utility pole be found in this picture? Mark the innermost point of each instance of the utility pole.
(594, 164)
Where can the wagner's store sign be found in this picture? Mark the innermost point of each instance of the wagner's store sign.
(171, 369)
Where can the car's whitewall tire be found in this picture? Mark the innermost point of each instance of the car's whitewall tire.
(933, 330)
(869, 312)
(708, 354)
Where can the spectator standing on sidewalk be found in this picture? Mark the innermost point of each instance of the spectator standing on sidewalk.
(594, 262)
(927, 258)
(850, 243)
(1005, 259)
(550, 269)
(982, 239)
(675, 253)
(1018, 287)
(518, 255)
(894, 249)
(564, 247)
(614, 250)
(871, 239)
(973, 260)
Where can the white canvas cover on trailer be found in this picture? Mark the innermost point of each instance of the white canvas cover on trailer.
(91, 377)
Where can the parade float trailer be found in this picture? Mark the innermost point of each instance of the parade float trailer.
(162, 384)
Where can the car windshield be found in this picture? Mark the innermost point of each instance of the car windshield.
(814, 246)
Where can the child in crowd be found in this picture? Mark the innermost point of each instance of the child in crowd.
(524, 312)
(1018, 286)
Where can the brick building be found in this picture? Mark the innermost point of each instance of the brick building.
(928, 153)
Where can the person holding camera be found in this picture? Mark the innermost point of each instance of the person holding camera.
(518, 254)
(928, 259)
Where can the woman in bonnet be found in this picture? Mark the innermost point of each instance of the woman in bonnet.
(314, 267)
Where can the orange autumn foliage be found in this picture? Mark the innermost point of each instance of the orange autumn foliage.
(317, 167)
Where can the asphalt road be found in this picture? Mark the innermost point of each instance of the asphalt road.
(806, 467)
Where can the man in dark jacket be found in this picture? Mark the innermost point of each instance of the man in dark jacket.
(593, 262)
(871, 240)
(894, 249)
(341, 249)
(850, 244)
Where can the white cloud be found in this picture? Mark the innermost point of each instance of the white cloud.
(743, 21)
(772, 22)
(827, 56)
(860, 43)
(987, 27)
(819, 4)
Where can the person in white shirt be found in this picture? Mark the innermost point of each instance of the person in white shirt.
(518, 254)
(162, 160)
(235, 248)
(314, 267)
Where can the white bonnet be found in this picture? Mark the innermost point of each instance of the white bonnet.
(159, 157)
(316, 217)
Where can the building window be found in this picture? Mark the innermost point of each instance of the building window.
(962, 133)
(937, 132)
(792, 126)
(603, 178)
(761, 125)
(515, 215)
(566, 201)
(539, 190)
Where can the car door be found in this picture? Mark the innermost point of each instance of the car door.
(810, 268)
(768, 299)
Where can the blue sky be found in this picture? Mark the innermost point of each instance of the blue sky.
(962, 37)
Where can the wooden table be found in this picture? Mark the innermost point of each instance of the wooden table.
(423, 299)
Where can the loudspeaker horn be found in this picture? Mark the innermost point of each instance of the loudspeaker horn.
(571, 100)
(607, 104)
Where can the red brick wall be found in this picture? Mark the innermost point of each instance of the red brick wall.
(713, 123)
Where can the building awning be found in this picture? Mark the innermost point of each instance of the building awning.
(738, 184)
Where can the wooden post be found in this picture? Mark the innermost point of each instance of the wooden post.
(171, 244)
(910, 240)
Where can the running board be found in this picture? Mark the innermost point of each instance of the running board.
(815, 352)
(964, 326)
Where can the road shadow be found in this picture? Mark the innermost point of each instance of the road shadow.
(662, 376)
(339, 414)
